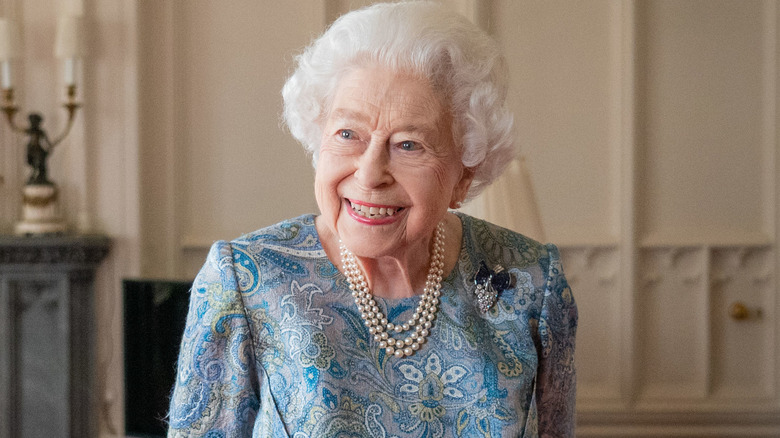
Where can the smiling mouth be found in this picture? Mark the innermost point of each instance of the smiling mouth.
(373, 212)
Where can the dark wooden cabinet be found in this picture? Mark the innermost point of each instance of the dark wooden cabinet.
(47, 335)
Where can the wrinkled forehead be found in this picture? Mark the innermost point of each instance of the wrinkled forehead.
(402, 93)
(370, 92)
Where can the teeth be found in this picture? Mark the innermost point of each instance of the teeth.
(373, 212)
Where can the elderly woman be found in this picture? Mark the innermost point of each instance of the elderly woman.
(386, 315)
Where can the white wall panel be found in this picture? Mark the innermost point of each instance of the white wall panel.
(240, 170)
(742, 349)
(563, 69)
(701, 94)
(595, 272)
(672, 322)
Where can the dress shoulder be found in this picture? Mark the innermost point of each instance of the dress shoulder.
(499, 245)
(274, 258)
(298, 232)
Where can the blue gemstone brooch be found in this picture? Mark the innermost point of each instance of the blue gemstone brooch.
(489, 283)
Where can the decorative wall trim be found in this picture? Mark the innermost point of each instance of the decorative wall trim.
(11, 170)
(683, 423)
(772, 15)
(624, 18)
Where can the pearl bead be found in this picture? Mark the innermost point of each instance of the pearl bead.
(408, 351)
(399, 353)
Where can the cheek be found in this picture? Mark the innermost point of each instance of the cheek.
(332, 170)
(320, 189)
(433, 186)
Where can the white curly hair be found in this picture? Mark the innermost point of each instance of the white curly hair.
(460, 60)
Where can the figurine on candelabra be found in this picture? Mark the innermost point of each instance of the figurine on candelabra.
(38, 149)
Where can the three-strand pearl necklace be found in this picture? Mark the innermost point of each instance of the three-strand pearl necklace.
(421, 321)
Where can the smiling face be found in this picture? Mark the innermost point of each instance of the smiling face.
(388, 167)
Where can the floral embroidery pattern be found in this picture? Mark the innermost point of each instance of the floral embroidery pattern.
(431, 383)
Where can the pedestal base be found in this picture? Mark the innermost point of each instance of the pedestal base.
(40, 212)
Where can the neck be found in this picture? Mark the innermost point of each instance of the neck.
(400, 275)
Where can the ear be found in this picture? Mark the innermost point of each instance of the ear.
(462, 187)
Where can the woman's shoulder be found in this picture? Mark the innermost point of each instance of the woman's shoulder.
(296, 236)
(504, 246)
(267, 258)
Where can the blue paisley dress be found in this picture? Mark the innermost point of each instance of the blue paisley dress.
(274, 347)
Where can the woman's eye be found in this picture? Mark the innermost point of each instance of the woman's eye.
(409, 145)
(346, 134)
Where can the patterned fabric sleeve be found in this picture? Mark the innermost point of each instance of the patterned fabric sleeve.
(216, 390)
(556, 378)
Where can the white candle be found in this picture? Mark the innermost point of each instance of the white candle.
(69, 45)
(9, 48)
(6, 74)
(70, 71)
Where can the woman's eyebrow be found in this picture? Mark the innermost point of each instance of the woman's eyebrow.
(423, 128)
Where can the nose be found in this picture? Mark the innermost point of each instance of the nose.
(372, 169)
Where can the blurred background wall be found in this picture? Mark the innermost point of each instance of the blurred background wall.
(649, 130)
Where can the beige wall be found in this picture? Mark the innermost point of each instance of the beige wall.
(649, 130)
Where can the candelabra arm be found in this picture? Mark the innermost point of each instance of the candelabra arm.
(72, 107)
(10, 109)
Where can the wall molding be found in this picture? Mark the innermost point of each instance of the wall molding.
(724, 423)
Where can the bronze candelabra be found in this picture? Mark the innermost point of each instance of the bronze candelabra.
(40, 213)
